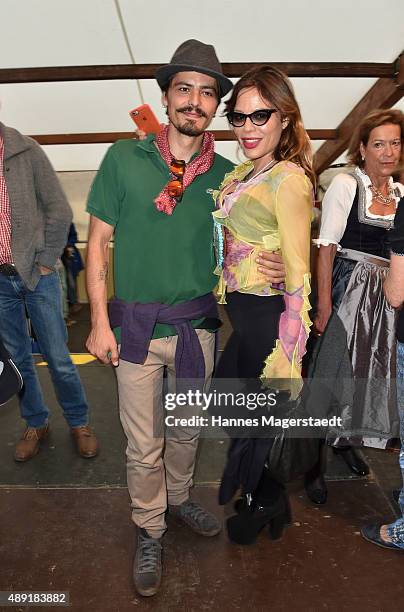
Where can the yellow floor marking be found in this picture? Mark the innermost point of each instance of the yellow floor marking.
(77, 358)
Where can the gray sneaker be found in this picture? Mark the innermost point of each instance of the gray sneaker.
(200, 520)
(147, 565)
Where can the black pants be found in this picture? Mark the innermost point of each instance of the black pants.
(255, 322)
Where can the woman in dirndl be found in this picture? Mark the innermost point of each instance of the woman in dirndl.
(357, 213)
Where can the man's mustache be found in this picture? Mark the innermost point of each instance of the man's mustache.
(192, 109)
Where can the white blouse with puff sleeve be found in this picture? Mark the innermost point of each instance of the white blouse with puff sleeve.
(337, 204)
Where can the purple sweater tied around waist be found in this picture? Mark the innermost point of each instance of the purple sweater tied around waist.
(137, 322)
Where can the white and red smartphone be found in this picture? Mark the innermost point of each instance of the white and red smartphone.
(145, 119)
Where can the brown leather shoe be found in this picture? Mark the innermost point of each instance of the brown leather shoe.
(31, 439)
(75, 308)
(86, 442)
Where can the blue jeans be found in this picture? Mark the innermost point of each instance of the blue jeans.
(71, 284)
(43, 306)
(396, 529)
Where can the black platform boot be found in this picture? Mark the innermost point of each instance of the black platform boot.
(268, 506)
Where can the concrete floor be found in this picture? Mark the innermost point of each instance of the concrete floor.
(81, 541)
(65, 525)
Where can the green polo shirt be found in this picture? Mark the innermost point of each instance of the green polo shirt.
(157, 257)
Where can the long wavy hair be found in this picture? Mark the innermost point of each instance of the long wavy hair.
(274, 87)
(376, 117)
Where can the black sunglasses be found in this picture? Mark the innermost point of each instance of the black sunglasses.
(258, 117)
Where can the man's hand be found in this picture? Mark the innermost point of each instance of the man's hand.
(102, 344)
(44, 271)
(271, 265)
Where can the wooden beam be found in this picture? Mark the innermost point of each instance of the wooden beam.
(101, 137)
(232, 70)
(384, 94)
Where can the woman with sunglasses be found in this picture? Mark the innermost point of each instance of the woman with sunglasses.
(265, 203)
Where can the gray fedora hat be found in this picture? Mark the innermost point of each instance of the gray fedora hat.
(194, 56)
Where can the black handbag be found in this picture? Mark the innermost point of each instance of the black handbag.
(292, 456)
(10, 378)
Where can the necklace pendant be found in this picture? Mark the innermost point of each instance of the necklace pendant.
(377, 194)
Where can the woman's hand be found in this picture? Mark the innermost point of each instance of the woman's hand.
(325, 263)
(393, 285)
(321, 320)
(139, 135)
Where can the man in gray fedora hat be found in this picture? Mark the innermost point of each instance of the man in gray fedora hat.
(194, 55)
(154, 196)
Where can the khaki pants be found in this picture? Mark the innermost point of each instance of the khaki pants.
(159, 469)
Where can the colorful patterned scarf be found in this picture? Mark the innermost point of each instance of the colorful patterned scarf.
(201, 164)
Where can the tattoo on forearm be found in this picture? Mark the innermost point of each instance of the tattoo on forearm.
(103, 274)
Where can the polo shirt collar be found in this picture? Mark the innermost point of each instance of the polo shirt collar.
(148, 144)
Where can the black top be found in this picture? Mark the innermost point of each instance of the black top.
(396, 240)
(363, 237)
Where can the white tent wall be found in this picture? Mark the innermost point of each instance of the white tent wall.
(58, 33)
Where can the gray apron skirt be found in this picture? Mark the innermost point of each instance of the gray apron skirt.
(363, 315)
